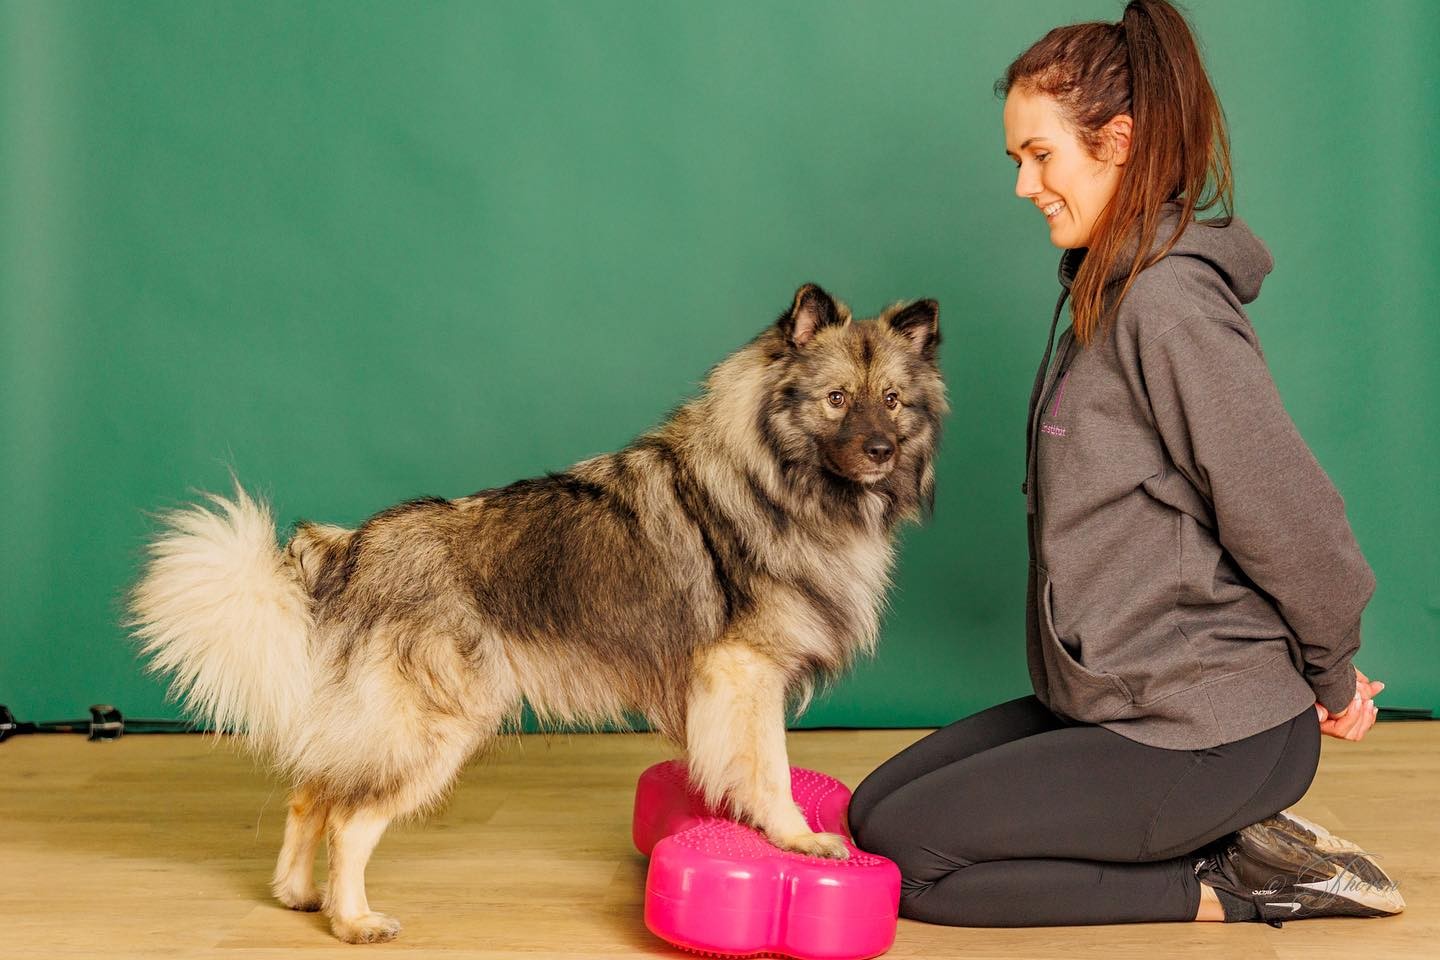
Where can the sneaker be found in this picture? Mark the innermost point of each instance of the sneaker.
(1351, 854)
(1288, 876)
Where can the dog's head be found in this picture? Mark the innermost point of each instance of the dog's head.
(862, 401)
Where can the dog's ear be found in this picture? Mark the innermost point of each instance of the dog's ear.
(812, 310)
(918, 322)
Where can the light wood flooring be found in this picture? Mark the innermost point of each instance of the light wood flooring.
(162, 846)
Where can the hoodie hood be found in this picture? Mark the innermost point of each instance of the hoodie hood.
(1238, 256)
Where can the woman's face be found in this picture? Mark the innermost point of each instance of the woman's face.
(1068, 186)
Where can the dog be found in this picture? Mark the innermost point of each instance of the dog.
(705, 577)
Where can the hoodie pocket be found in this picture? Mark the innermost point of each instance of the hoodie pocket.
(1076, 691)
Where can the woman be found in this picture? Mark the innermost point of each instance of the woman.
(1194, 589)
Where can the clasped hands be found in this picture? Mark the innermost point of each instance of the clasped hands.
(1354, 721)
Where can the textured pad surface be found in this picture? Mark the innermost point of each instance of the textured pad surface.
(718, 887)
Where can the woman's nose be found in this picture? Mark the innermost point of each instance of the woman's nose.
(1027, 181)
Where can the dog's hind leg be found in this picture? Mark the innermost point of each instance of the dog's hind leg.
(294, 882)
(439, 709)
(435, 752)
(735, 741)
(352, 837)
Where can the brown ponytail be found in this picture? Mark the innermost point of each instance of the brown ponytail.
(1146, 66)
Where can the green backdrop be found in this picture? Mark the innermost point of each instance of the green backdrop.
(364, 252)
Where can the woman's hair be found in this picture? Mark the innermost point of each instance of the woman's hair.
(1146, 66)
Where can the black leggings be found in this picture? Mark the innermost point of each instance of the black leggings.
(1015, 817)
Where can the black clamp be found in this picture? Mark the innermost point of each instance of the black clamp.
(105, 723)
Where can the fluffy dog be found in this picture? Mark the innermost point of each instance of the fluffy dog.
(703, 577)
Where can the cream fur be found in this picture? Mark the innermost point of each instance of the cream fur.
(222, 610)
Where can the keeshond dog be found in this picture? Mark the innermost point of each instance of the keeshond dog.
(705, 578)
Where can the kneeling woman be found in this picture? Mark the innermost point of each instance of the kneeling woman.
(1194, 589)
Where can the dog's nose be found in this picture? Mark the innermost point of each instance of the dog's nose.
(879, 449)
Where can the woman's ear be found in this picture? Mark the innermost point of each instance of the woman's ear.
(1118, 131)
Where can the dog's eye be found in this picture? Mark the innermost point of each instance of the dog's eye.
(892, 400)
(837, 398)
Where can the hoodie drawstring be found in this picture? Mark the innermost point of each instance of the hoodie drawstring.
(1028, 486)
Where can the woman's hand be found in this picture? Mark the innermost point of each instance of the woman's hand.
(1354, 721)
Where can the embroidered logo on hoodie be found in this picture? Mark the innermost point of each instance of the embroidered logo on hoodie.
(1053, 429)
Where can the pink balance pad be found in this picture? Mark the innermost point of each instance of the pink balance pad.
(721, 888)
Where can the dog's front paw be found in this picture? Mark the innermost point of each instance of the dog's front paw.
(366, 928)
(815, 845)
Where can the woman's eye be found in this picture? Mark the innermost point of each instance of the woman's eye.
(836, 398)
(892, 400)
(1042, 157)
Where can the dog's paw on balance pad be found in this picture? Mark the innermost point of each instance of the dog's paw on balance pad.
(718, 887)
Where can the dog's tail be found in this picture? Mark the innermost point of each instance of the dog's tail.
(222, 610)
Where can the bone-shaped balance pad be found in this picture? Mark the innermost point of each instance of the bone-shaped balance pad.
(720, 888)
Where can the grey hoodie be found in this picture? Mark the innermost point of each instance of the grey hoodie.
(1192, 577)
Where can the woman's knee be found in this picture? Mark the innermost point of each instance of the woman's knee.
(882, 782)
(862, 802)
(892, 830)
(873, 832)
(955, 742)
(861, 805)
(858, 818)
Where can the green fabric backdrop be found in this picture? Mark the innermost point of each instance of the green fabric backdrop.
(365, 252)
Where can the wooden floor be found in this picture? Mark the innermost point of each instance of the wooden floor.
(162, 846)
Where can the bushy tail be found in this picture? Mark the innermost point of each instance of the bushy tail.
(221, 609)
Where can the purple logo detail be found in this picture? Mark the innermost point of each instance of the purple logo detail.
(1059, 392)
(1051, 429)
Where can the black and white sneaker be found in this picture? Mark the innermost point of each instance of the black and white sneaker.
(1290, 870)
(1351, 854)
